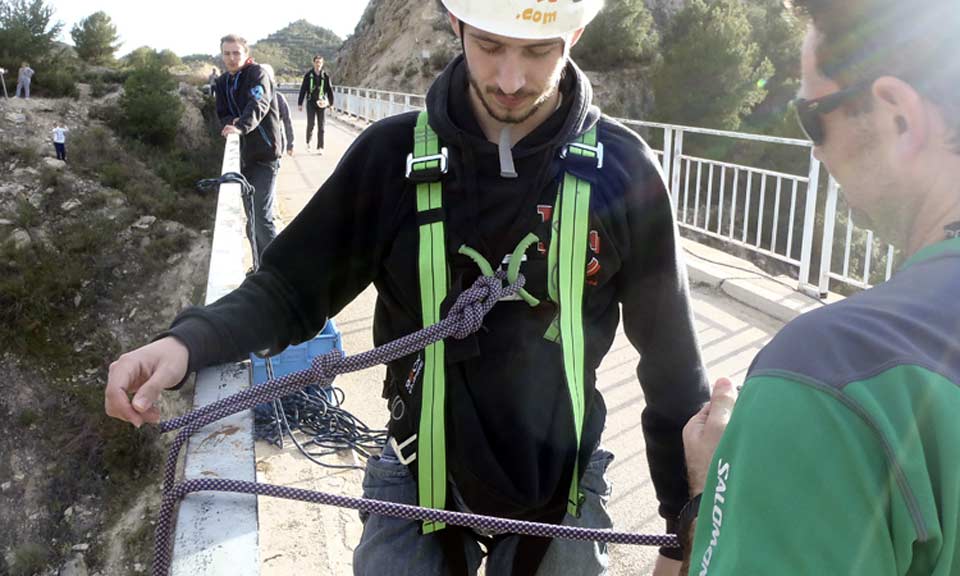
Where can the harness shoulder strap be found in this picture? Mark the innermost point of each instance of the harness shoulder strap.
(567, 263)
(425, 165)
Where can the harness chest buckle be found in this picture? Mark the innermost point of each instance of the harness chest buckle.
(427, 174)
(596, 150)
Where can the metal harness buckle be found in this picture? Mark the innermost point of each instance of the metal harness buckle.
(427, 174)
(398, 449)
(598, 150)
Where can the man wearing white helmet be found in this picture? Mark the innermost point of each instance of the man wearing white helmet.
(510, 166)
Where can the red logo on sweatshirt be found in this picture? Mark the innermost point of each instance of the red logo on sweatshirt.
(593, 265)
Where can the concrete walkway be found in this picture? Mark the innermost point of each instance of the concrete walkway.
(311, 539)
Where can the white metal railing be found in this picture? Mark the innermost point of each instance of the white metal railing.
(372, 105)
(727, 201)
(876, 261)
(719, 203)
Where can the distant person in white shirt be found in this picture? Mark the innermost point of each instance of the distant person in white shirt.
(60, 141)
(24, 76)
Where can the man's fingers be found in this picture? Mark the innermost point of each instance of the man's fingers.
(145, 400)
(122, 377)
(152, 415)
(694, 426)
(722, 401)
(118, 406)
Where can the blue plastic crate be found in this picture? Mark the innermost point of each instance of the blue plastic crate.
(299, 357)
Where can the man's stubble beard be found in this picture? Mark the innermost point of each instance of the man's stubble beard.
(507, 118)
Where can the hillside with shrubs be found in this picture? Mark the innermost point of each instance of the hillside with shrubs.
(96, 255)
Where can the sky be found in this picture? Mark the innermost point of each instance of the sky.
(195, 27)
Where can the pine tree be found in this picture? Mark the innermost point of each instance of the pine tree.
(622, 34)
(95, 38)
(712, 72)
(27, 31)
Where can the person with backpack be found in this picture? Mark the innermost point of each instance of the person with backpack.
(511, 167)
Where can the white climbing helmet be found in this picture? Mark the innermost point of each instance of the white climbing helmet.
(525, 19)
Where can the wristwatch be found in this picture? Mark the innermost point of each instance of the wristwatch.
(687, 515)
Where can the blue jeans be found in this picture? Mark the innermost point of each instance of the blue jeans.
(23, 87)
(394, 547)
(263, 177)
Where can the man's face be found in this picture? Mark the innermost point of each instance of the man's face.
(852, 148)
(318, 64)
(512, 78)
(234, 55)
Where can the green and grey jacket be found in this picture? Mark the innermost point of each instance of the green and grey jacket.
(842, 453)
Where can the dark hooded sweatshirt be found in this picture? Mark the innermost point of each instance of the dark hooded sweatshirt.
(510, 436)
(247, 99)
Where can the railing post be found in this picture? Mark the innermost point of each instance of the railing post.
(826, 246)
(676, 163)
(809, 222)
(667, 145)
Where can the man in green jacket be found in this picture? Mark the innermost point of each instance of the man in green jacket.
(840, 456)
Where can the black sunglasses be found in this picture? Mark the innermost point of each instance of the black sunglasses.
(810, 112)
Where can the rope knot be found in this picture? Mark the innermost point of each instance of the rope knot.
(475, 302)
(325, 367)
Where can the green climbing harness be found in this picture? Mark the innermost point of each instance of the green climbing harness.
(322, 86)
(567, 263)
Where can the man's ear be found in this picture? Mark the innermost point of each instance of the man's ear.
(902, 115)
(577, 34)
(455, 24)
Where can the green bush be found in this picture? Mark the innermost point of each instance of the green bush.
(26, 155)
(56, 78)
(99, 87)
(439, 59)
(150, 109)
(37, 287)
(27, 418)
(29, 559)
(28, 216)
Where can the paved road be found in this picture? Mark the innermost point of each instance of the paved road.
(319, 540)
